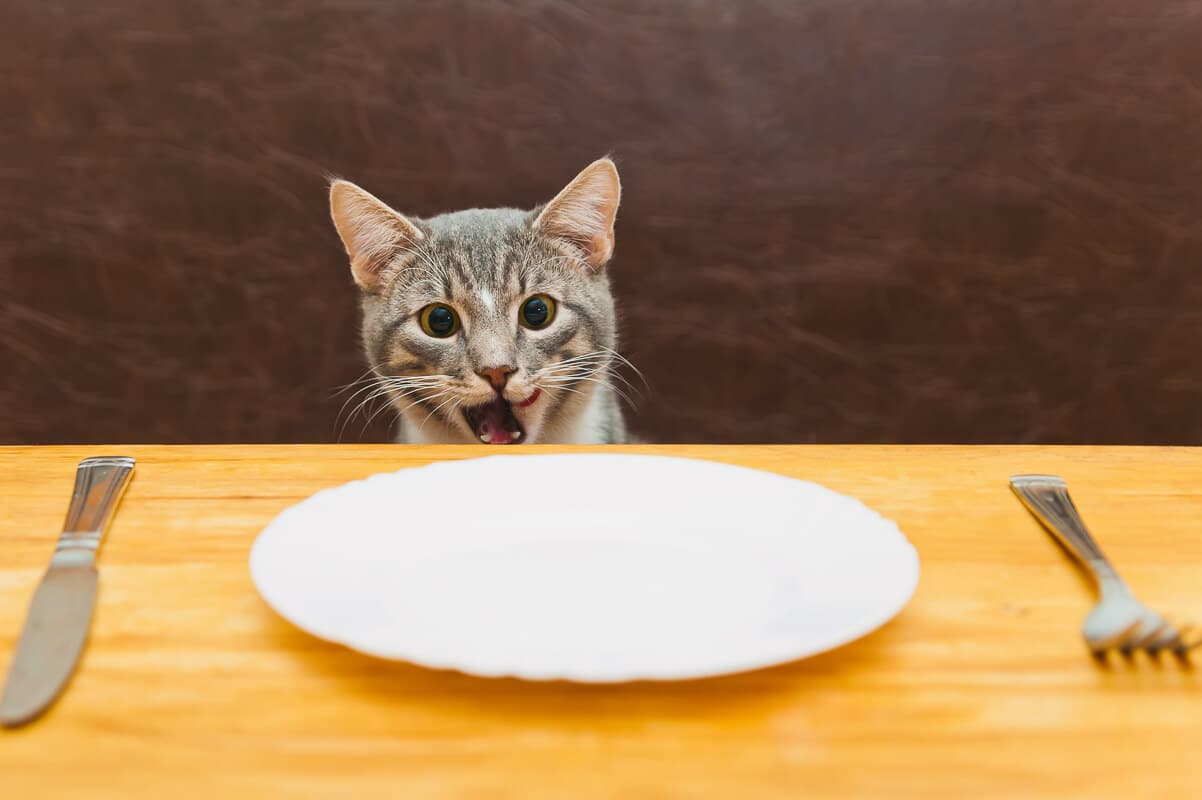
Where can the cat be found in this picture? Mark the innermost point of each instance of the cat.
(491, 325)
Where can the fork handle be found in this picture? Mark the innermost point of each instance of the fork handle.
(1047, 498)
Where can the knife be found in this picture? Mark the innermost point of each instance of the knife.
(56, 627)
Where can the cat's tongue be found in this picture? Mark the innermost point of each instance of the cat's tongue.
(495, 423)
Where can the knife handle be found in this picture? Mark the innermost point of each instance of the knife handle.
(99, 484)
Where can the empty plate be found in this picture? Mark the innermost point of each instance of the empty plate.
(589, 567)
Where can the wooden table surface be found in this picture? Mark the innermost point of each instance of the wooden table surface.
(192, 687)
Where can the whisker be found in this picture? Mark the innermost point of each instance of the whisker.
(561, 389)
(570, 371)
(376, 389)
(372, 369)
(595, 355)
(379, 387)
(371, 417)
(433, 412)
(427, 399)
(367, 387)
(559, 381)
(629, 364)
(612, 388)
(337, 390)
(613, 374)
(371, 389)
(454, 408)
(402, 396)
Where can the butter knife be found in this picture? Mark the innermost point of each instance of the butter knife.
(56, 627)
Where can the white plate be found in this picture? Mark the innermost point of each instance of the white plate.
(591, 568)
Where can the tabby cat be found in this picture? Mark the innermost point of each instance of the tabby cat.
(491, 325)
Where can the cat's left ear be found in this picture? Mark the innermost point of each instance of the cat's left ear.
(583, 213)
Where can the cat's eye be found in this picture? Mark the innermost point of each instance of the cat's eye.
(439, 321)
(537, 312)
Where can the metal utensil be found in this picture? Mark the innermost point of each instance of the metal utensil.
(1118, 620)
(56, 627)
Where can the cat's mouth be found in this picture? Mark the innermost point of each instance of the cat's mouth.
(494, 423)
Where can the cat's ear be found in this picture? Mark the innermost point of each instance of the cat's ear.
(372, 232)
(583, 213)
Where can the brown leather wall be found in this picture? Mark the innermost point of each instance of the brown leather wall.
(844, 220)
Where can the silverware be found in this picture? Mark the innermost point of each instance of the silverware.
(1118, 620)
(56, 627)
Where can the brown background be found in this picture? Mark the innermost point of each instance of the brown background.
(844, 220)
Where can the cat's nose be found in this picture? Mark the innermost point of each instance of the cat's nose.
(497, 376)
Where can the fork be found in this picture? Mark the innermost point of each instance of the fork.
(1118, 620)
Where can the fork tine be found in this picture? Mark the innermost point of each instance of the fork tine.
(1168, 640)
(1187, 640)
(1145, 631)
(1170, 637)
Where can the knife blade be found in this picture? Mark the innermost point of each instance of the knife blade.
(60, 614)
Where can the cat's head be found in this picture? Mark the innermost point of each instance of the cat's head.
(492, 325)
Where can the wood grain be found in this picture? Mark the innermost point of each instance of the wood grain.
(192, 688)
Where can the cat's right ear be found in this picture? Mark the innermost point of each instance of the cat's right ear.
(372, 233)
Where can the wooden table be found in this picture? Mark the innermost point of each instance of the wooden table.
(192, 687)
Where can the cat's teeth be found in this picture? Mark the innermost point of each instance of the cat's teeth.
(484, 438)
(514, 434)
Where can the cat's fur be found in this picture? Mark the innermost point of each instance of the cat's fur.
(484, 264)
